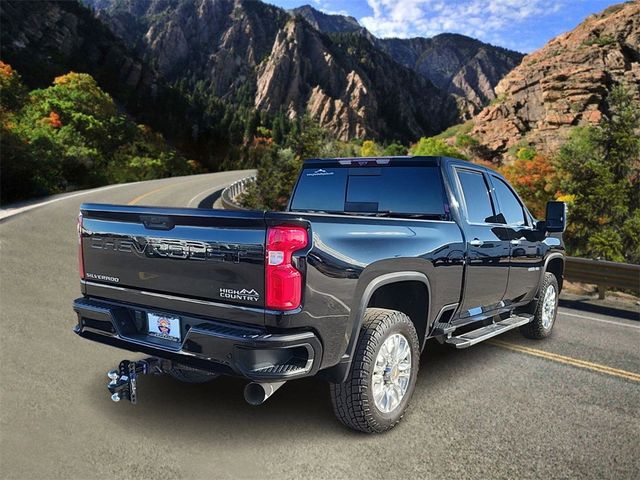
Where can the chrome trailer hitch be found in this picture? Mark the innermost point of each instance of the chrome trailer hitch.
(123, 384)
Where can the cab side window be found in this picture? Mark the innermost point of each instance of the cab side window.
(510, 206)
(476, 197)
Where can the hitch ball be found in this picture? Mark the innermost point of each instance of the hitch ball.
(115, 397)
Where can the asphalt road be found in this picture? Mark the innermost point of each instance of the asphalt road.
(566, 407)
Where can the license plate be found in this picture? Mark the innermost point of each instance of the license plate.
(163, 326)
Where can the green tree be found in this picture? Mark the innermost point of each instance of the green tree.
(309, 143)
(29, 167)
(278, 129)
(276, 176)
(394, 150)
(600, 171)
(370, 149)
(251, 127)
(71, 135)
(431, 146)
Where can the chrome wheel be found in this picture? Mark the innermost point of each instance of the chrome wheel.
(391, 373)
(549, 307)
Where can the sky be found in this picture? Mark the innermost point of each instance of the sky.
(522, 25)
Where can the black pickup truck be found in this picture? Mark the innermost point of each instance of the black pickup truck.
(372, 258)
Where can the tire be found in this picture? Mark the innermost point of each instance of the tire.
(354, 403)
(544, 320)
(190, 375)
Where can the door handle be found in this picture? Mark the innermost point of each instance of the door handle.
(476, 243)
(515, 242)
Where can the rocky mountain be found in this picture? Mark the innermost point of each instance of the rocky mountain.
(462, 66)
(564, 84)
(349, 86)
(250, 52)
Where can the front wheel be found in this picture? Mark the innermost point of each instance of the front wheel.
(383, 374)
(546, 310)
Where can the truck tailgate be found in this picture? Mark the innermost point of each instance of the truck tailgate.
(211, 255)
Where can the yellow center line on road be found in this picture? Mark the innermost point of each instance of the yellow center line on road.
(596, 367)
(145, 195)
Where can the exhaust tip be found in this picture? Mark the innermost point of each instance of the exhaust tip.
(255, 394)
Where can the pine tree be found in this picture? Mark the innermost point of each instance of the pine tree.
(600, 171)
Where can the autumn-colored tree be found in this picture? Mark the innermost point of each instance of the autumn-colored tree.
(12, 91)
(535, 180)
(53, 119)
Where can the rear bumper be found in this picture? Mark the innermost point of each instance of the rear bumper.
(217, 346)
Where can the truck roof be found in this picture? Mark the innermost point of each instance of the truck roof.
(384, 160)
(436, 160)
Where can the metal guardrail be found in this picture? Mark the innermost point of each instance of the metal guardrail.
(229, 197)
(603, 274)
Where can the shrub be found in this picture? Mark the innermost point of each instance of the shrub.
(431, 146)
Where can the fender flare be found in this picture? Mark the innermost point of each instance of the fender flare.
(547, 260)
(369, 290)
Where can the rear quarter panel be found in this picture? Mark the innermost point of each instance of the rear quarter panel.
(348, 253)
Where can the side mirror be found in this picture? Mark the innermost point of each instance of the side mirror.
(556, 218)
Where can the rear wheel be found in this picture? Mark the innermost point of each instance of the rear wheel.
(383, 373)
(190, 375)
(546, 310)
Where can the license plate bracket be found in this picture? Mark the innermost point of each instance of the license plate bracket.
(166, 327)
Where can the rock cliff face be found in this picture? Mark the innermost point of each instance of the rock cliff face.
(564, 84)
(218, 42)
(306, 71)
(301, 74)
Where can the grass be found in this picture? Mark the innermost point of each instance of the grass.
(600, 41)
(455, 130)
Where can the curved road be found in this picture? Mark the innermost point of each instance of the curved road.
(563, 408)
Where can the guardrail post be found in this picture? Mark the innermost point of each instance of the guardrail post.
(602, 290)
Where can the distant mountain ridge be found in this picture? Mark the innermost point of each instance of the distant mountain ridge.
(326, 22)
(457, 64)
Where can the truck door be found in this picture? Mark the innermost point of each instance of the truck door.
(526, 255)
(487, 265)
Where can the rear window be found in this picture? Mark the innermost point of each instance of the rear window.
(371, 190)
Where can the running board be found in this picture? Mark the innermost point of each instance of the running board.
(476, 336)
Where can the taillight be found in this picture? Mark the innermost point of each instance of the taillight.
(283, 282)
(80, 255)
